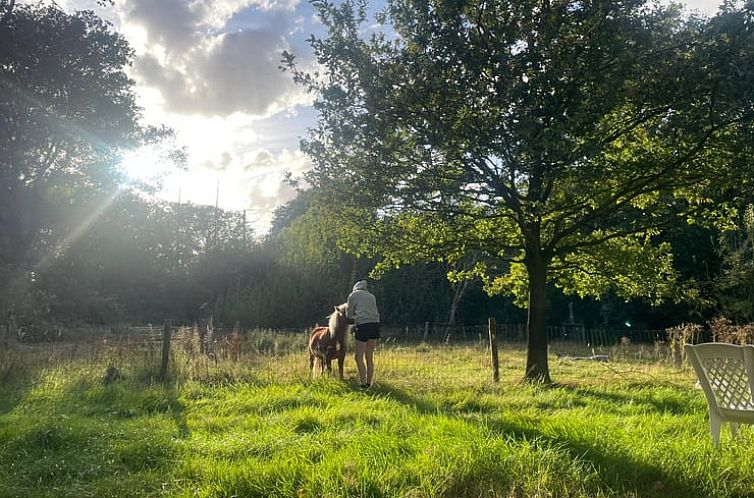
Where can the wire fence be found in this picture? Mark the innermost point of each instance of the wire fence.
(209, 336)
(204, 352)
(517, 333)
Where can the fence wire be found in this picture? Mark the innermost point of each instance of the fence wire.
(432, 333)
(425, 351)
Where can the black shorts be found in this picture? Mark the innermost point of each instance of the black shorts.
(367, 331)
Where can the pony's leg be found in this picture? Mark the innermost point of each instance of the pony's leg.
(341, 358)
(329, 366)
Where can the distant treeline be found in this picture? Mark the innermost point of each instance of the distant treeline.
(137, 261)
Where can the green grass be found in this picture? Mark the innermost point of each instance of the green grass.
(433, 426)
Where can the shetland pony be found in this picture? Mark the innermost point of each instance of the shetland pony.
(329, 343)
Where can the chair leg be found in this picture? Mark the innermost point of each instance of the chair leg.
(734, 429)
(714, 424)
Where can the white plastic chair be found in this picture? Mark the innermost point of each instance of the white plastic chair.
(726, 373)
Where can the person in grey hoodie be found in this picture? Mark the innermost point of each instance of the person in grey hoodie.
(362, 309)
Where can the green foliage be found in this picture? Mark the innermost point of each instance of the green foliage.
(137, 261)
(735, 286)
(631, 266)
(311, 240)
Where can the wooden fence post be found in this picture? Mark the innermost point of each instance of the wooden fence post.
(426, 331)
(167, 329)
(493, 349)
(677, 348)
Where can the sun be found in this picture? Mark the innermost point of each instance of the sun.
(143, 163)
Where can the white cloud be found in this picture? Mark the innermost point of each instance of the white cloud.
(199, 69)
(708, 7)
(216, 13)
(170, 23)
(267, 188)
(262, 159)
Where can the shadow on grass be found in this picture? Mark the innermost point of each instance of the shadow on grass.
(390, 391)
(88, 432)
(640, 398)
(617, 403)
(19, 374)
(12, 395)
(122, 399)
(178, 411)
(621, 472)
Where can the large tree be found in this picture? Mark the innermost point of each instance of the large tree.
(553, 138)
(67, 111)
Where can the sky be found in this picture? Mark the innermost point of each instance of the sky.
(209, 69)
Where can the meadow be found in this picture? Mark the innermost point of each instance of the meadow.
(252, 423)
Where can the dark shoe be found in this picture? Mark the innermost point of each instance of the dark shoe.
(364, 386)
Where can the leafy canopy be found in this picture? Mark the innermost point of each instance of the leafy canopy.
(570, 133)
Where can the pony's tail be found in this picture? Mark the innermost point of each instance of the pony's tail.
(318, 368)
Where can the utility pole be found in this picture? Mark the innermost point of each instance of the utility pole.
(244, 229)
(217, 213)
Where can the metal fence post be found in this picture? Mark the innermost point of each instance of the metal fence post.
(493, 350)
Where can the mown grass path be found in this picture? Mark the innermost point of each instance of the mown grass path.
(433, 426)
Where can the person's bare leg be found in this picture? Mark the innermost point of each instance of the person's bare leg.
(360, 347)
(371, 345)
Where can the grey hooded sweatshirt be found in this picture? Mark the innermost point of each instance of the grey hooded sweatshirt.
(362, 306)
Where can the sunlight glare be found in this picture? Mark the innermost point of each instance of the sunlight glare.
(143, 163)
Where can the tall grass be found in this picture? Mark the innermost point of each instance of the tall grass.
(248, 421)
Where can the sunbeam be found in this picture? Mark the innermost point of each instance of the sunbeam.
(62, 247)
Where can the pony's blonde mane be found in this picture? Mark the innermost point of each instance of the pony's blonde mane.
(337, 319)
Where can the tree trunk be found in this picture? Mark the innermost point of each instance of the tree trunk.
(537, 369)
(458, 291)
(352, 275)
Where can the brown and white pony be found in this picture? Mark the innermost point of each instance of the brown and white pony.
(329, 343)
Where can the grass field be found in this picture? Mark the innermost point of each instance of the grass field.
(434, 425)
